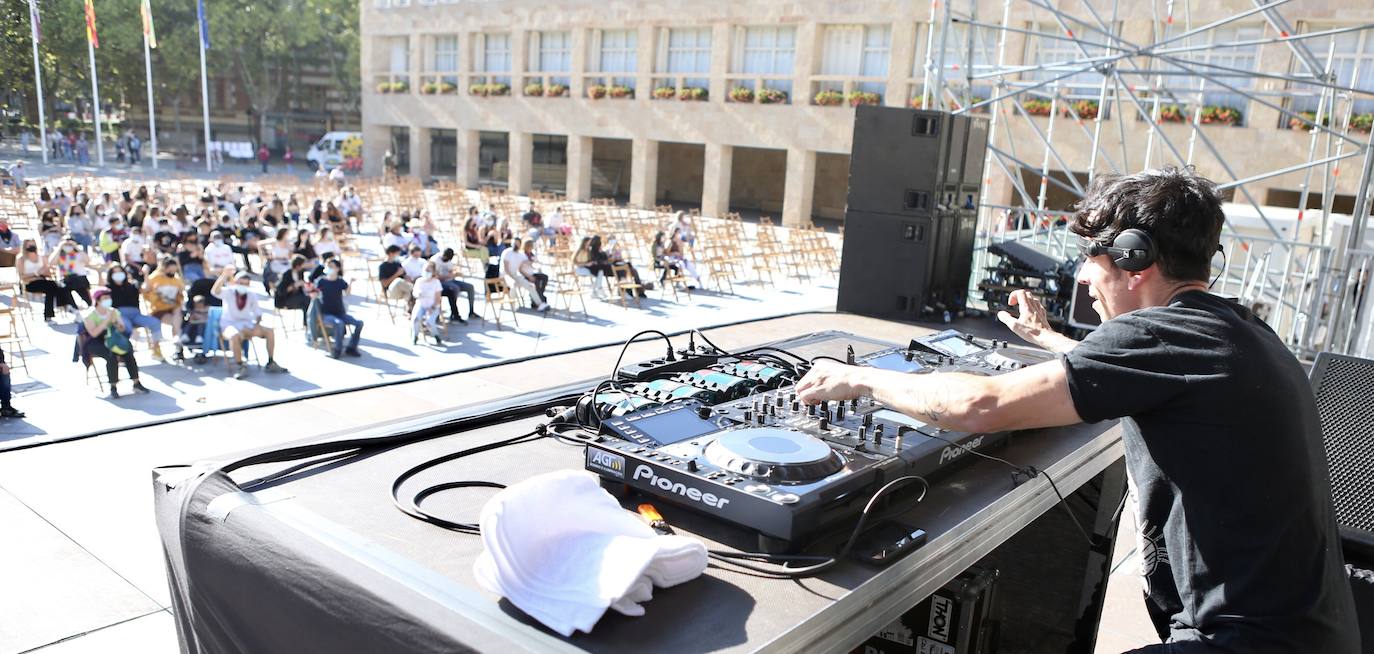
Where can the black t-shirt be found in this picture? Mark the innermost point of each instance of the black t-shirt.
(331, 296)
(124, 295)
(1236, 535)
(387, 270)
(166, 242)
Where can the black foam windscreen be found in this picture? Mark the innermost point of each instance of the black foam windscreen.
(1344, 389)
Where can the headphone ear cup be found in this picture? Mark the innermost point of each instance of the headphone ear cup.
(1141, 247)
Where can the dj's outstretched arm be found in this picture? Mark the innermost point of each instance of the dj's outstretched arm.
(1035, 396)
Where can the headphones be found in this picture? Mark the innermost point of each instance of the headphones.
(1132, 250)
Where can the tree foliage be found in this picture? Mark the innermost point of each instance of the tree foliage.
(256, 42)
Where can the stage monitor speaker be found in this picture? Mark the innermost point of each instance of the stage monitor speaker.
(1081, 312)
(1344, 388)
(911, 215)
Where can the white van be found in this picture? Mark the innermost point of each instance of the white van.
(330, 153)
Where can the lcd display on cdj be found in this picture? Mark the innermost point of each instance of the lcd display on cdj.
(956, 346)
(895, 361)
(673, 426)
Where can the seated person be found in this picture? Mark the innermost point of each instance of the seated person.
(293, 288)
(10, 243)
(218, 255)
(164, 291)
(518, 270)
(98, 319)
(70, 263)
(320, 270)
(241, 319)
(443, 267)
(7, 410)
(425, 312)
(334, 312)
(616, 257)
(193, 331)
(192, 258)
(393, 277)
(414, 263)
(36, 276)
(124, 295)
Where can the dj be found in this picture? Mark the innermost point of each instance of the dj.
(1227, 474)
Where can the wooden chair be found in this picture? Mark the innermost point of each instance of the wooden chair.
(624, 282)
(10, 339)
(496, 296)
(569, 286)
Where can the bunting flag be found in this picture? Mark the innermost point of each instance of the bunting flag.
(204, 24)
(147, 11)
(35, 21)
(90, 25)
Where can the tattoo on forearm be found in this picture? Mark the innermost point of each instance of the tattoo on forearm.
(935, 405)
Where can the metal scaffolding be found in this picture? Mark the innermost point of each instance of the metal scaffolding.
(1308, 284)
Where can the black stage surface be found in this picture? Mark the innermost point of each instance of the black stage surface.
(320, 560)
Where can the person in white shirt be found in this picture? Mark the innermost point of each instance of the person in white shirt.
(426, 312)
(396, 236)
(218, 256)
(325, 242)
(518, 270)
(453, 286)
(131, 253)
(240, 319)
(414, 264)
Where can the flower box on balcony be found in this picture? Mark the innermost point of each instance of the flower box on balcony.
(1086, 109)
(534, 90)
(596, 91)
(447, 88)
(384, 87)
(489, 89)
(742, 94)
(692, 94)
(1311, 116)
(772, 96)
(1362, 122)
(555, 91)
(1036, 106)
(665, 93)
(620, 91)
(857, 98)
(429, 88)
(1219, 115)
(829, 99)
(1172, 113)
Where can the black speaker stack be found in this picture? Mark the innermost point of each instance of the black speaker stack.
(912, 212)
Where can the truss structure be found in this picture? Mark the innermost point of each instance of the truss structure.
(1310, 284)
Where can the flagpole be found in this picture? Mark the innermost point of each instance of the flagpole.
(95, 91)
(204, 87)
(152, 122)
(38, 82)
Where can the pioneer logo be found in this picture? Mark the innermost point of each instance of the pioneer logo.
(662, 483)
(941, 610)
(601, 461)
(955, 451)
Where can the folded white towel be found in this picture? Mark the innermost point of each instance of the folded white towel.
(562, 549)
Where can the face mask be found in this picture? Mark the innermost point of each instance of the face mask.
(118, 278)
(106, 303)
(241, 290)
(332, 273)
(427, 274)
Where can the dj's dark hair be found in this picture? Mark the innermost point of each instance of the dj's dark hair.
(1180, 210)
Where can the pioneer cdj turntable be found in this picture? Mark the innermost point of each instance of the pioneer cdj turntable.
(757, 457)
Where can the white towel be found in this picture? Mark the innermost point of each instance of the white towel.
(563, 550)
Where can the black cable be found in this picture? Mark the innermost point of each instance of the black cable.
(717, 348)
(770, 348)
(615, 372)
(1030, 472)
(1223, 267)
(412, 507)
(737, 558)
(827, 358)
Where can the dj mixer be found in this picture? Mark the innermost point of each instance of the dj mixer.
(727, 436)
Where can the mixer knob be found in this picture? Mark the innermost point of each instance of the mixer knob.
(868, 420)
(878, 434)
(748, 415)
(863, 433)
(692, 465)
(824, 423)
(792, 396)
(854, 404)
(796, 406)
(810, 409)
(779, 401)
(839, 412)
(703, 412)
(759, 419)
(909, 354)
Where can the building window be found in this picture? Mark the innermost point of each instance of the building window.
(1051, 46)
(618, 52)
(446, 57)
(550, 149)
(1240, 57)
(494, 56)
(765, 51)
(686, 50)
(957, 63)
(443, 152)
(387, 4)
(856, 51)
(551, 52)
(400, 150)
(1353, 49)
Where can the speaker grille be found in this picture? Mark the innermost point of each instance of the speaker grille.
(1345, 402)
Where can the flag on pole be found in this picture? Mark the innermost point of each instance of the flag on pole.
(36, 21)
(147, 11)
(204, 24)
(90, 25)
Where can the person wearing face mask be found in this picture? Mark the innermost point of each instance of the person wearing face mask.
(10, 244)
(101, 317)
(70, 263)
(219, 256)
(453, 286)
(124, 295)
(292, 289)
(35, 274)
(165, 291)
(241, 319)
(111, 239)
(131, 254)
(334, 312)
(79, 226)
(425, 314)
